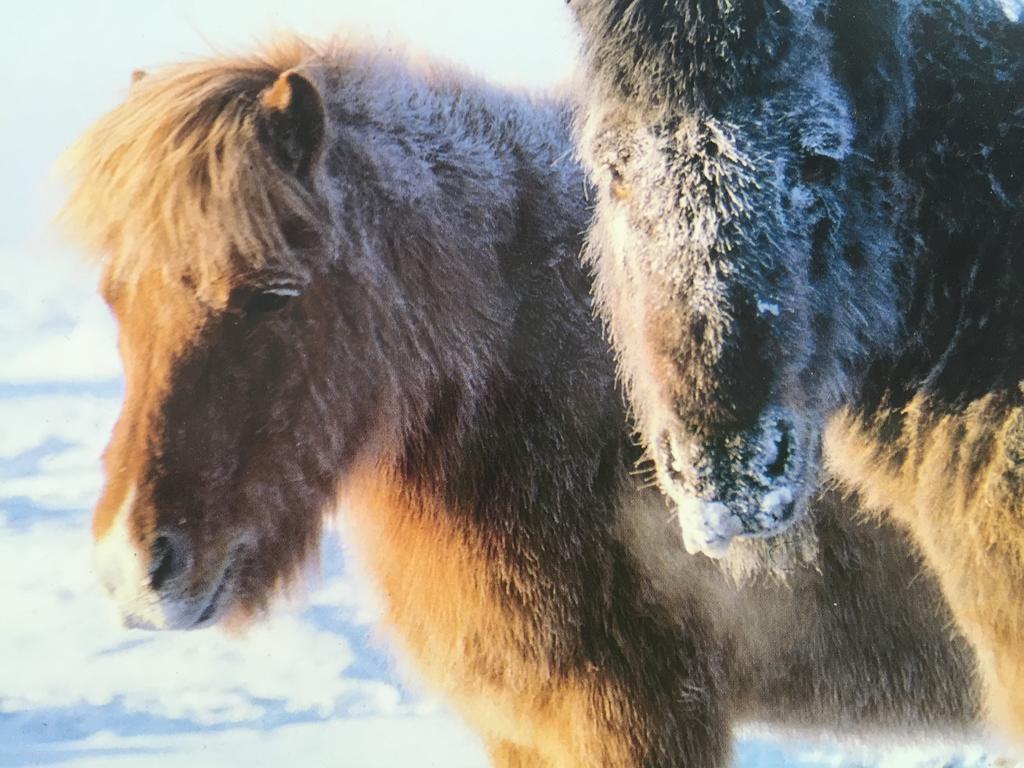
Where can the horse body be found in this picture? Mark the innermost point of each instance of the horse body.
(336, 276)
(807, 242)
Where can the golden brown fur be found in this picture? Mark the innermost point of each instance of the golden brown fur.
(423, 344)
(955, 481)
(441, 602)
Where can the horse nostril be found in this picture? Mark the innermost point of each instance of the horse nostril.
(777, 467)
(168, 560)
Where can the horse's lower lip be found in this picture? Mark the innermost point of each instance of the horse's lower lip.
(211, 607)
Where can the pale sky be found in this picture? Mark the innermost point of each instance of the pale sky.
(62, 64)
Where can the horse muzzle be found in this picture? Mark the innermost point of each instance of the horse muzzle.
(157, 584)
(748, 484)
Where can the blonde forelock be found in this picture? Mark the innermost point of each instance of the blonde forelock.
(176, 176)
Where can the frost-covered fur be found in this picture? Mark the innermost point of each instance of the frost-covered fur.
(809, 226)
(395, 312)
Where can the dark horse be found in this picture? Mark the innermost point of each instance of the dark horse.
(339, 276)
(808, 243)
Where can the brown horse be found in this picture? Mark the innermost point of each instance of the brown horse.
(336, 274)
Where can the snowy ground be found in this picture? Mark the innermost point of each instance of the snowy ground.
(312, 686)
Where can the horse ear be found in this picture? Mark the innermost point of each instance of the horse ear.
(291, 122)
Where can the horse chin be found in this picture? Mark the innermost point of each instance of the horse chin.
(183, 612)
(756, 500)
(218, 602)
(709, 527)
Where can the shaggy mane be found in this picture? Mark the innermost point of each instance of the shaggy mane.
(176, 176)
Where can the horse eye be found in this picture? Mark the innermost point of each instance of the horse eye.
(271, 300)
(618, 186)
(816, 169)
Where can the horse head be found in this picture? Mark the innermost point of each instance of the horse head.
(742, 246)
(200, 191)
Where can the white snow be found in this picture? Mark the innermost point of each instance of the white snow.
(41, 301)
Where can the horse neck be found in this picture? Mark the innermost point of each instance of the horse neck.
(473, 306)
